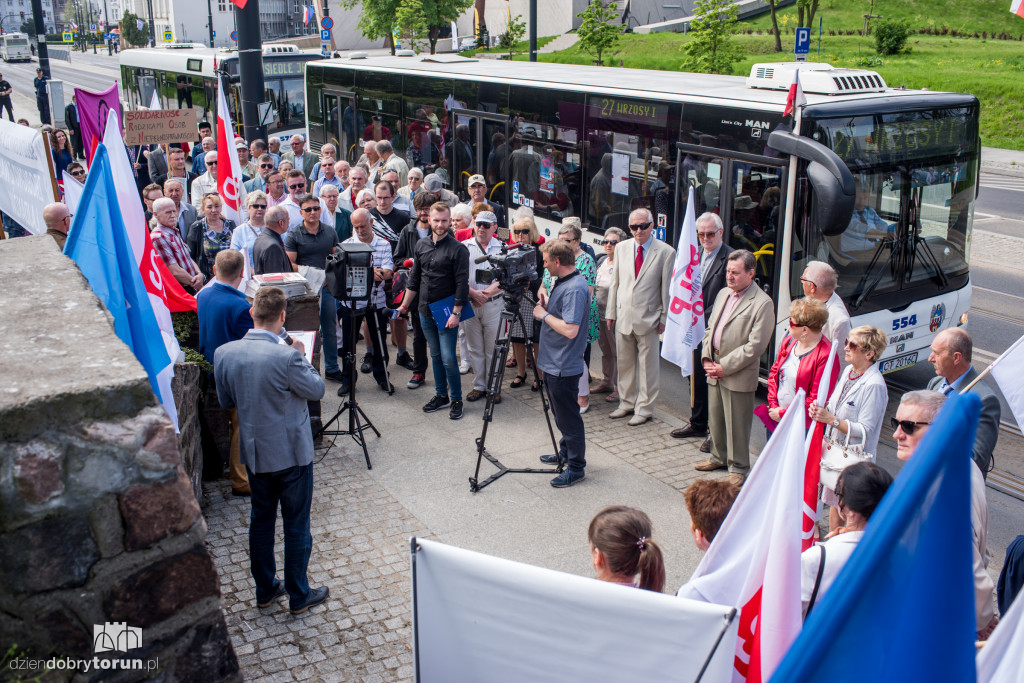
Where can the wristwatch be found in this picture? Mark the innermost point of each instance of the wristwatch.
(835, 423)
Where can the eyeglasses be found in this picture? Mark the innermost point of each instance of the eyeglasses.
(707, 235)
(522, 232)
(908, 426)
(639, 226)
(793, 323)
(77, 173)
(605, 243)
(810, 282)
(211, 163)
(68, 217)
(852, 345)
(297, 187)
(258, 206)
(311, 209)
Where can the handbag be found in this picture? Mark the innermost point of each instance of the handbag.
(840, 454)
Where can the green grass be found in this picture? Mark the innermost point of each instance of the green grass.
(523, 47)
(992, 70)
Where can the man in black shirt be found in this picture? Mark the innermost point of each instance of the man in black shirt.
(42, 100)
(268, 254)
(5, 98)
(440, 271)
(387, 220)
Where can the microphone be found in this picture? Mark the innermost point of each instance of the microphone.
(480, 259)
(407, 263)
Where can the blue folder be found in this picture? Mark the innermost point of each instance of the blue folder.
(442, 310)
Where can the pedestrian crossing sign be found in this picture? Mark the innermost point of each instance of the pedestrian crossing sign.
(168, 37)
(68, 37)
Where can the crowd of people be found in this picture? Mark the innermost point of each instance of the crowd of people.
(429, 252)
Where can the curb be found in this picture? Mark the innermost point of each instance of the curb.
(1003, 169)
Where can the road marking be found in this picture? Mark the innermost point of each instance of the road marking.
(984, 356)
(992, 291)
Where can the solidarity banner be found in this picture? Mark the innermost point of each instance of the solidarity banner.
(93, 109)
(23, 164)
(482, 618)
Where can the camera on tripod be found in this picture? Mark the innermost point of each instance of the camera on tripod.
(514, 269)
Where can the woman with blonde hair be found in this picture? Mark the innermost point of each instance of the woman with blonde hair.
(622, 550)
(210, 234)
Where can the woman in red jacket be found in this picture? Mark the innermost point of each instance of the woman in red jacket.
(800, 364)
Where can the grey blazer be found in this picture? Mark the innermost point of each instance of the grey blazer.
(988, 425)
(191, 215)
(269, 383)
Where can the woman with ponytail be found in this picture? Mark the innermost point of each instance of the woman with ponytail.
(622, 550)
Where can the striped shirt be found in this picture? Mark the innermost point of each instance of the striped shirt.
(168, 243)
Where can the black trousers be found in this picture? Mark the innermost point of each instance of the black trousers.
(376, 323)
(5, 103)
(419, 344)
(699, 409)
(562, 393)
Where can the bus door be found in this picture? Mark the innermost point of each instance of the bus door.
(746, 193)
(344, 124)
(472, 149)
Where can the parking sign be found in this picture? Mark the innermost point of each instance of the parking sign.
(325, 35)
(803, 42)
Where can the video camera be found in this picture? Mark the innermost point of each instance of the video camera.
(514, 268)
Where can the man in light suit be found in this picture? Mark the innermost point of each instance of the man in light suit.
(638, 302)
(737, 334)
(713, 257)
(302, 159)
(951, 355)
(187, 214)
(270, 384)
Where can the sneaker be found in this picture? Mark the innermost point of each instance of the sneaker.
(436, 403)
(567, 479)
(405, 360)
(465, 368)
(316, 597)
(550, 459)
(417, 380)
(335, 376)
(456, 411)
(367, 364)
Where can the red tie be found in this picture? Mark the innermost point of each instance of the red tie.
(639, 260)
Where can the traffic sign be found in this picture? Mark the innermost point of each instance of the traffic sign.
(214, 34)
(803, 41)
(168, 37)
(325, 35)
(68, 38)
(92, 27)
(325, 51)
(327, 23)
(234, 35)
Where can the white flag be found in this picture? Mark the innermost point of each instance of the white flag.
(1007, 371)
(1002, 658)
(754, 562)
(72, 191)
(154, 103)
(229, 175)
(684, 326)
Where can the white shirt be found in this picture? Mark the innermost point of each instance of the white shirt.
(837, 551)
(294, 212)
(202, 185)
(787, 379)
(837, 328)
(493, 247)
(243, 237)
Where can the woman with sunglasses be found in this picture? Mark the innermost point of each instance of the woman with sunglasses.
(524, 232)
(210, 234)
(244, 236)
(858, 402)
(801, 360)
(860, 489)
(606, 337)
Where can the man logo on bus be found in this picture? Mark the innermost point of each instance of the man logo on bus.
(938, 313)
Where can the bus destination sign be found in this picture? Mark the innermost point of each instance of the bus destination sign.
(634, 111)
(911, 138)
(282, 68)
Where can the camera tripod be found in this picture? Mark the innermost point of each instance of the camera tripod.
(357, 419)
(495, 376)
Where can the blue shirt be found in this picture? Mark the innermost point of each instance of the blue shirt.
(223, 317)
(570, 300)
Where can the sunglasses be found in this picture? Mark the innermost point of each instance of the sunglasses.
(211, 163)
(853, 346)
(77, 173)
(266, 165)
(485, 225)
(793, 323)
(297, 187)
(258, 206)
(521, 232)
(707, 235)
(810, 282)
(908, 426)
(605, 243)
(639, 226)
(311, 209)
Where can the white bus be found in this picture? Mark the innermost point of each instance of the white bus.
(15, 47)
(184, 75)
(599, 142)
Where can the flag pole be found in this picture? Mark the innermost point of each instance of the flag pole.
(981, 375)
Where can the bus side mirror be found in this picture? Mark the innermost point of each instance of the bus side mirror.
(830, 178)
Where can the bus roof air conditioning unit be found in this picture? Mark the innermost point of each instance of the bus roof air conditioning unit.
(815, 77)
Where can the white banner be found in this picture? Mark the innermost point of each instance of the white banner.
(483, 618)
(26, 181)
(684, 326)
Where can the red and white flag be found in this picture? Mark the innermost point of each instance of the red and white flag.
(815, 444)
(229, 174)
(240, 3)
(1007, 371)
(1018, 8)
(684, 326)
(754, 562)
(796, 95)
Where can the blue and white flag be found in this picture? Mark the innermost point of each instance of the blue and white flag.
(902, 608)
(98, 242)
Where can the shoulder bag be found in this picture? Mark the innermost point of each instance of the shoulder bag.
(840, 454)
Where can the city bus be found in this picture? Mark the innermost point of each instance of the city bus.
(184, 75)
(15, 47)
(597, 143)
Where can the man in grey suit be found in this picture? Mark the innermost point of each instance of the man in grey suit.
(187, 214)
(270, 384)
(951, 355)
(737, 334)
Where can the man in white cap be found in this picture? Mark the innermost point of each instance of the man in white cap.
(482, 328)
(478, 193)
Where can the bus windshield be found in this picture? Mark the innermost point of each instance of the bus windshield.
(916, 178)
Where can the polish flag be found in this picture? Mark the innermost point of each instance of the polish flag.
(814, 446)
(229, 175)
(754, 562)
(1018, 8)
(796, 95)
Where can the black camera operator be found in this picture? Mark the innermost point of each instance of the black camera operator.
(375, 310)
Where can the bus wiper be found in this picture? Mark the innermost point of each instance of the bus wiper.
(867, 274)
(929, 256)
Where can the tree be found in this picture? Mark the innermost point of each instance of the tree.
(597, 34)
(411, 24)
(130, 31)
(438, 13)
(376, 18)
(710, 49)
(775, 25)
(28, 26)
(512, 36)
(806, 8)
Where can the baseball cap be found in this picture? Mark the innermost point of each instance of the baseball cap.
(476, 180)
(486, 217)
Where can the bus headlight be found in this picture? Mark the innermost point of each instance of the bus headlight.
(963, 320)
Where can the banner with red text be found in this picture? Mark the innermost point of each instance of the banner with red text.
(684, 327)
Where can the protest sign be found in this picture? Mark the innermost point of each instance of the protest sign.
(25, 163)
(158, 127)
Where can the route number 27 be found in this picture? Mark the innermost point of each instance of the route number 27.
(900, 323)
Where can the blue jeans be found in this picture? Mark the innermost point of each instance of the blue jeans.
(442, 357)
(292, 488)
(329, 330)
(562, 392)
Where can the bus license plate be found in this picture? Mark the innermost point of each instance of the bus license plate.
(899, 363)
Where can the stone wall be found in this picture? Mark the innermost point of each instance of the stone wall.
(186, 388)
(99, 525)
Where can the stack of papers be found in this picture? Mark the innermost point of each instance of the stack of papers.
(293, 284)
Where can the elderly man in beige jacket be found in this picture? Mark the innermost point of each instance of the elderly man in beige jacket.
(737, 334)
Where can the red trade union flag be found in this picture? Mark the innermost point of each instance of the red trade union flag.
(815, 440)
(240, 3)
(229, 170)
(796, 95)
